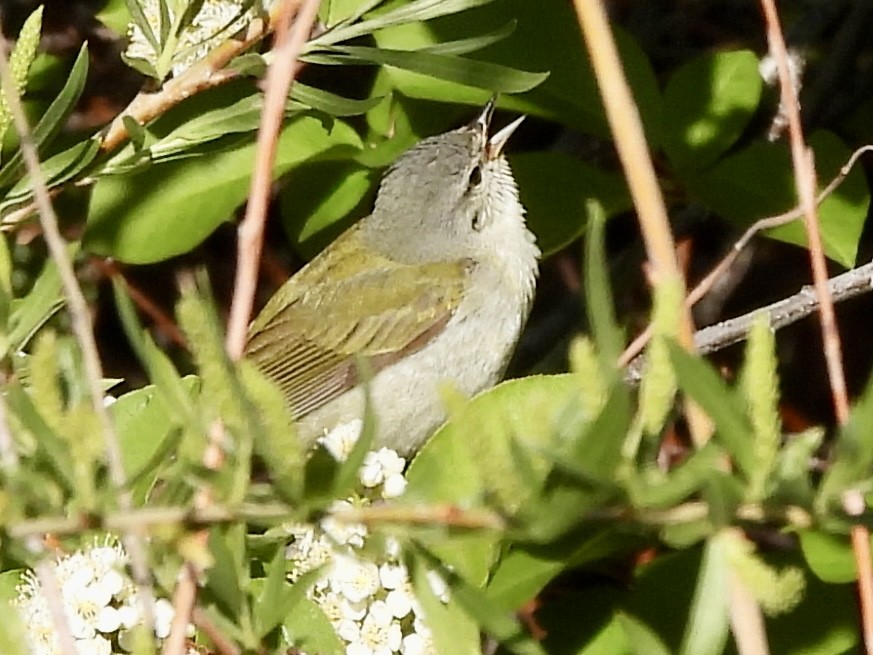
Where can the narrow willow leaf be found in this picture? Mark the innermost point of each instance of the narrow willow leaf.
(56, 170)
(6, 267)
(465, 46)
(760, 387)
(657, 489)
(598, 295)
(42, 302)
(157, 364)
(698, 380)
(707, 628)
(470, 72)
(54, 117)
(641, 638)
(330, 103)
(420, 10)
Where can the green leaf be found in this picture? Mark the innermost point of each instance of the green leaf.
(707, 628)
(658, 489)
(168, 209)
(830, 556)
(453, 629)
(474, 43)
(276, 600)
(700, 381)
(228, 576)
(547, 38)
(318, 196)
(852, 455)
(758, 181)
(707, 104)
(642, 639)
(43, 301)
(561, 193)
(420, 10)
(608, 337)
(331, 103)
(115, 15)
(310, 631)
(54, 117)
(146, 432)
(56, 170)
(13, 633)
(469, 72)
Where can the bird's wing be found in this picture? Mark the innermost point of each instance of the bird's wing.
(308, 342)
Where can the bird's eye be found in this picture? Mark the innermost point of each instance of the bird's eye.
(475, 177)
(478, 221)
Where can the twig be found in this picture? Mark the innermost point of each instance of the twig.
(630, 141)
(805, 179)
(184, 596)
(83, 330)
(289, 44)
(703, 287)
(747, 621)
(222, 644)
(784, 312)
(163, 322)
(280, 77)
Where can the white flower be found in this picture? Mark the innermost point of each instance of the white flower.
(99, 601)
(394, 486)
(344, 532)
(438, 586)
(164, 614)
(379, 465)
(380, 633)
(341, 439)
(354, 578)
(416, 644)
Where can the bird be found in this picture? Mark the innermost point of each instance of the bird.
(433, 287)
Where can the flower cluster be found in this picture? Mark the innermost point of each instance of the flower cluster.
(216, 21)
(100, 603)
(364, 588)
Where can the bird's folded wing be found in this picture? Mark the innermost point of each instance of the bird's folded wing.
(310, 336)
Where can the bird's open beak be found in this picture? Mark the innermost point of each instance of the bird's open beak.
(496, 142)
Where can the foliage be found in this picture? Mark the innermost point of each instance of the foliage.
(543, 478)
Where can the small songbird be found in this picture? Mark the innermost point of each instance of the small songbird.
(433, 287)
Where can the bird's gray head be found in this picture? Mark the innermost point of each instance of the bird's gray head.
(451, 196)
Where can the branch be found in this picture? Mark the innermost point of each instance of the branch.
(781, 313)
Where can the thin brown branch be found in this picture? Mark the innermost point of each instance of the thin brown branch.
(630, 141)
(804, 168)
(703, 287)
(148, 307)
(747, 620)
(805, 180)
(82, 329)
(184, 596)
(205, 74)
(280, 77)
(205, 625)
